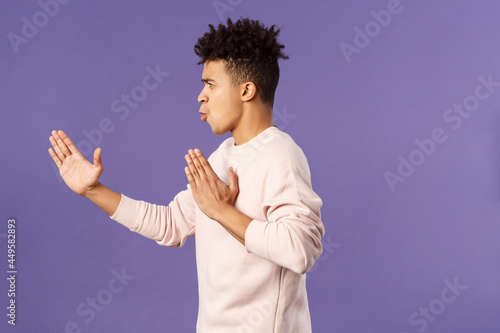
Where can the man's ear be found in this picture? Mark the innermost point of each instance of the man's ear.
(248, 91)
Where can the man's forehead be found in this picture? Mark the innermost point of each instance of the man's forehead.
(213, 70)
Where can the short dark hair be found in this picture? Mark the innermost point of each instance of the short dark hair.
(251, 52)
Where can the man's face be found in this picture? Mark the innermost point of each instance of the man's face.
(219, 98)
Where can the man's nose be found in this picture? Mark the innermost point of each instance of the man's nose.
(202, 97)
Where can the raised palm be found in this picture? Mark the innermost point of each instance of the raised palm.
(76, 171)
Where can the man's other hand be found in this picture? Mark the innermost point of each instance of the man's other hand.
(79, 174)
(210, 193)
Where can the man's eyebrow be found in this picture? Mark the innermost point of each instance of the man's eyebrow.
(207, 80)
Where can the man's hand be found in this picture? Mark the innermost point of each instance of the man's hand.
(211, 194)
(214, 197)
(75, 170)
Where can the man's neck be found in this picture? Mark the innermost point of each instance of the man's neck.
(251, 126)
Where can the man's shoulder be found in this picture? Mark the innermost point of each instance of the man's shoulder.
(281, 157)
(280, 154)
(282, 147)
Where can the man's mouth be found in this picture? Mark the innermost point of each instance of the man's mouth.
(203, 115)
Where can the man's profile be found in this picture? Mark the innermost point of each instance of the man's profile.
(250, 206)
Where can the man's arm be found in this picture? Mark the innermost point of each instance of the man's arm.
(290, 236)
(80, 175)
(105, 198)
(167, 225)
(290, 233)
(234, 221)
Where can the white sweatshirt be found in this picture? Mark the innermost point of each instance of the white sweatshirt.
(259, 286)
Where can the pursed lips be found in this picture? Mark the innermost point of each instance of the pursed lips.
(203, 115)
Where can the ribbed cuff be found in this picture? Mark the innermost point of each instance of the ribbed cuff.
(126, 212)
(255, 239)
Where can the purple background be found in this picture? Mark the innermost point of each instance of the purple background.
(387, 253)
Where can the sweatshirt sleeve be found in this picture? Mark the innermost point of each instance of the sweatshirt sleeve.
(167, 225)
(291, 235)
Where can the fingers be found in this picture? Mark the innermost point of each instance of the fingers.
(195, 168)
(189, 171)
(60, 147)
(233, 180)
(196, 171)
(55, 158)
(190, 178)
(203, 163)
(233, 184)
(200, 162)
(60, 155)
(97, 158)
(71, 146)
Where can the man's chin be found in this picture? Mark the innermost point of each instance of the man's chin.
(218, 131)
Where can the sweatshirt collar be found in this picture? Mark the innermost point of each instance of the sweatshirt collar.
(255, 141)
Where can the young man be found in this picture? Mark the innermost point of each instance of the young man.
(256, 237)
